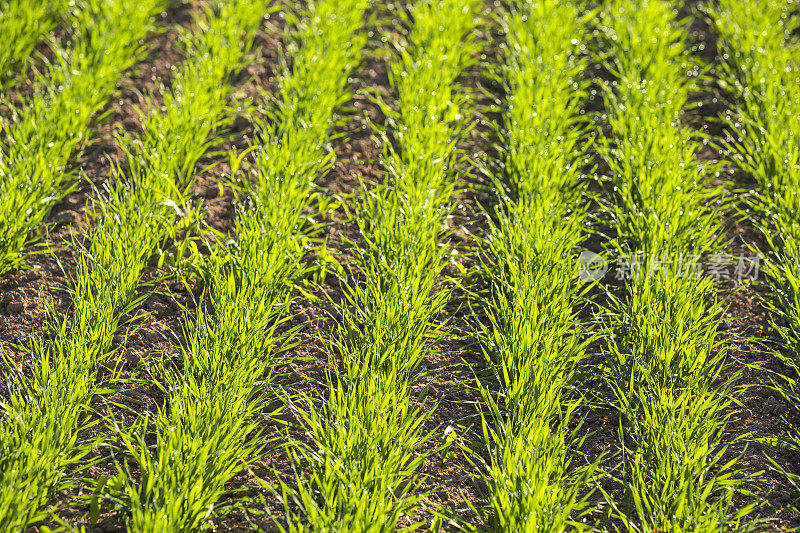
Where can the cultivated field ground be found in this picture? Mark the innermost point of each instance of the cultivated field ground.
(352, 265)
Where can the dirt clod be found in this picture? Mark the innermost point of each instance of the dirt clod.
(15, 308)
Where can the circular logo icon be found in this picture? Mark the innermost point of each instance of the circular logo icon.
(591, 266)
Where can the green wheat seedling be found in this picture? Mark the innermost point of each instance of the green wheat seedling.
(211, 427)
(150, 192)
(40, 139)
(533, 340)
(762, 74)
(130, 221)
(662, 193)
(367, 433)
(205, 432)
(46, 414)
(22, 25)
(664, 352)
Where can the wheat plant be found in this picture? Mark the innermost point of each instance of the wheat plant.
(358, 473)
(534, 340)
(664, 351)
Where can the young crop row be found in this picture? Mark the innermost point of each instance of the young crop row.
(40, 139)
(212, 424)
(663, 352)
(45, 434)
(762, 73)
(45, 416)
(534, 339)
(22, 25)
(359, 473)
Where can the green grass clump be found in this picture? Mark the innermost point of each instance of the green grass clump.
(43, 436)
(150, 192)
(211, 427)
(22, 25)
(534, 339)
(367, 433)
(40, 139)
(46, 414)
(761, 73)
(664, 352)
